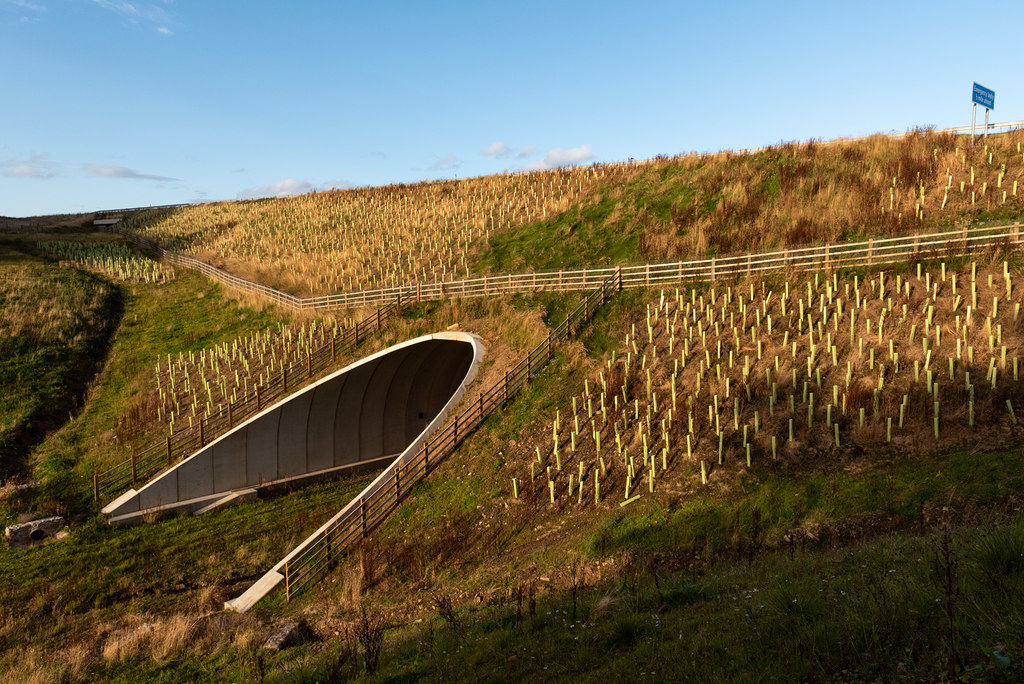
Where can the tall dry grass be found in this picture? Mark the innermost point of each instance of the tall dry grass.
(679, 207)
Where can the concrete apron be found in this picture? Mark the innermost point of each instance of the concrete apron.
(377, 410)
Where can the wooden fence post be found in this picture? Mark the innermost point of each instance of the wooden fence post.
(257, 397)
(202, 435)
(284, 380)
(168, 450)
(95, 487)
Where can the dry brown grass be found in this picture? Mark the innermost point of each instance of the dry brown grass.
(348, 239)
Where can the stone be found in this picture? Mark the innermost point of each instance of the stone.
(289, 634)
(34, 532)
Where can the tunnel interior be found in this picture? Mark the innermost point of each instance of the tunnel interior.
(370, 411)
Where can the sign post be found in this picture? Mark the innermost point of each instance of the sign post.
(987, 99)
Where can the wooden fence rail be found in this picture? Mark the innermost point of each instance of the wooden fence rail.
(316, 555)
(873, 251)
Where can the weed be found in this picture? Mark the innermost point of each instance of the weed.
(946, 563)
(445, 607)
(369, 634)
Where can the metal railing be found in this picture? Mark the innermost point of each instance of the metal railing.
(316, 555)
(152, 459)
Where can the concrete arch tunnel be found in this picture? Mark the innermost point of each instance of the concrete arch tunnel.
(364, 415)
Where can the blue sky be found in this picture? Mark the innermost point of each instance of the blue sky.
(108, 103)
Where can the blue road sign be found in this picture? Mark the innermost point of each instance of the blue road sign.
(983, 96)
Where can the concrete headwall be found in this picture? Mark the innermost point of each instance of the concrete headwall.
(372, 410)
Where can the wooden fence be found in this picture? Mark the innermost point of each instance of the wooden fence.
(316, 555)
(874, 251)
(151, 460)
(871, 252)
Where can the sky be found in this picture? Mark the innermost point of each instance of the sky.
(111, 104)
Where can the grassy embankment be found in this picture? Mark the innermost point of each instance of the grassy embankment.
(463, 538)
(826, 568)
(848, 514)
(663, 209)
(97, 587)
(701, 205)
(55, 325)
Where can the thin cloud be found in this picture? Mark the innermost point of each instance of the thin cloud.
(497, 149)
(139, 11)
(36, 166)
(289, 186)
(561, 157)
(106, 171)
(444, 163)
(526, 152)
(25, 4)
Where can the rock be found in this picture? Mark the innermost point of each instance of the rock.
(290, 633)
(34, 532)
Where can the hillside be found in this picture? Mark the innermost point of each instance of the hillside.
(802, 476)
(54, 330)
(664, 209)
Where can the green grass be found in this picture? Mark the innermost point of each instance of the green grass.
(585, 235)
(190, 313)
(60, 592)
(874, 611)
(54, 331)
(853, 597)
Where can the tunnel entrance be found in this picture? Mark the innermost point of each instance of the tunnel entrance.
(363, 415)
